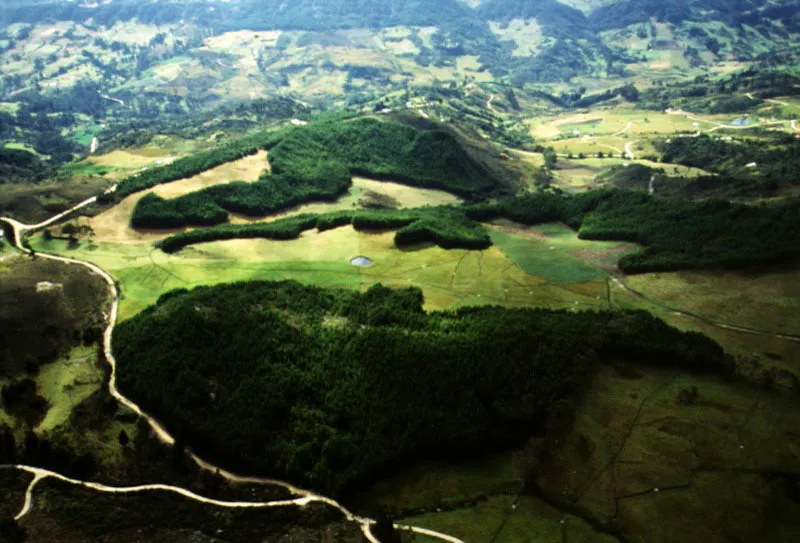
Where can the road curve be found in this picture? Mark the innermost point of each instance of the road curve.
(304, 497)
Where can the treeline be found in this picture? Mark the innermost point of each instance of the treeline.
(315, 162)
(447, 227)
(330, 388)
(676, 234)
(727, 95)
(17, 166)
(763, 166)
(579, 99)
(196, 163)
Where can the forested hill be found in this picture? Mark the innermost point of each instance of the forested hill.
(551, 14)
(776, 16)
(331, 14)
(331, 387)
(249, 14)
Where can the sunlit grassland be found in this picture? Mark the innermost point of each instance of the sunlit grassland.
(87, 168)
(67, 382)
(776, 352)
(606, 122)
(9, 107)
(448, 278)
(24, 147)
(554, 252)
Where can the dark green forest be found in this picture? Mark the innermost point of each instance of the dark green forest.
(445, 226)
(329, 387)
(21, 166)
(750, 167)
(314, 162)
(675, 234)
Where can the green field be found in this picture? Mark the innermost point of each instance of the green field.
(66, 383)
(518, 271)
(552, 251)
(85, 135)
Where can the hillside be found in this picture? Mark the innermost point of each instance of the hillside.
(73, 72)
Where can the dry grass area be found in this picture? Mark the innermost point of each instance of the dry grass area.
(405, 196)
(113, 225)
(128, 159)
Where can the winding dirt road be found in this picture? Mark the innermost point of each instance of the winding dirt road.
(629, 150)
(621, 132)
(304, 497)
(490, 106)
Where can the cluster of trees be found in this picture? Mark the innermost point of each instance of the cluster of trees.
(777, 159)
(330, 387)
(17, 165)
(704, 95)
(195, 164)
(676, 234)
(579, 99)
(314, 162)
(41, 452)
(445, 226)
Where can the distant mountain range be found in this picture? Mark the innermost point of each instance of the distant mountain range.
(196, 49)
(596, 15)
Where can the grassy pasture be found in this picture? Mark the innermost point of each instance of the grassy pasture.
(449, 278)
(85, 135)
(9, 107)
(640, 455)
(66, 383)
(768, 300)
(624, 121)
(129, 159)
(757, 352)
(554, 252)
(404, 196)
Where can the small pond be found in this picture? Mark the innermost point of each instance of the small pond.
(361, 261)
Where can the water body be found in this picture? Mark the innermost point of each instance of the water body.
(361, 261)
(742, 121)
